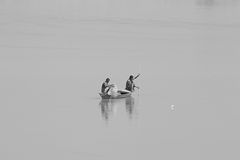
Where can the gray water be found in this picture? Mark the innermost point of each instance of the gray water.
(54, 55)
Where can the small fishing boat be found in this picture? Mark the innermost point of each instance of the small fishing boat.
(121, 94)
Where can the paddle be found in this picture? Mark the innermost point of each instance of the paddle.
(137, 76)
(137, 86)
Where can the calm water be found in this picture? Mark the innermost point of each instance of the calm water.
(54, 55)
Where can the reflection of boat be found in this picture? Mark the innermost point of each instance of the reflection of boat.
(109, 107)
(106, 108)
(120, 94)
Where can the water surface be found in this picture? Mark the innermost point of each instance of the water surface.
(54, 55)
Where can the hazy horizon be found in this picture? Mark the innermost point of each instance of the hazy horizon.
(55, 54)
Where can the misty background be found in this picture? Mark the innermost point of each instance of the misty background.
(54, 55)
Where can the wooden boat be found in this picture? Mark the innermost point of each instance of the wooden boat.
(121, 94)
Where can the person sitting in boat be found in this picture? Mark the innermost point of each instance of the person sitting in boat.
(106, 86)
(130, 86)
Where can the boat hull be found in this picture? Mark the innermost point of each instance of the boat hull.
(122, 94)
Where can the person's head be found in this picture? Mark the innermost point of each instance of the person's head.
(108, 80)
(131, 77)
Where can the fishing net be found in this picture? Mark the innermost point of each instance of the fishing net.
(113, 91)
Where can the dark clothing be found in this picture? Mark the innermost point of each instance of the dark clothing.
(104, 86)
(130, 85)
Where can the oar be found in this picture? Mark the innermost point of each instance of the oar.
(139, 71)
(137, 76)
(137, 86)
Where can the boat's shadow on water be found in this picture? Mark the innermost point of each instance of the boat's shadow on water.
(109, 107)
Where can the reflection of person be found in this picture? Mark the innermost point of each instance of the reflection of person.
(105, 109)
(109, 107)
(129, 102)
(130, 84)
(105, 86)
